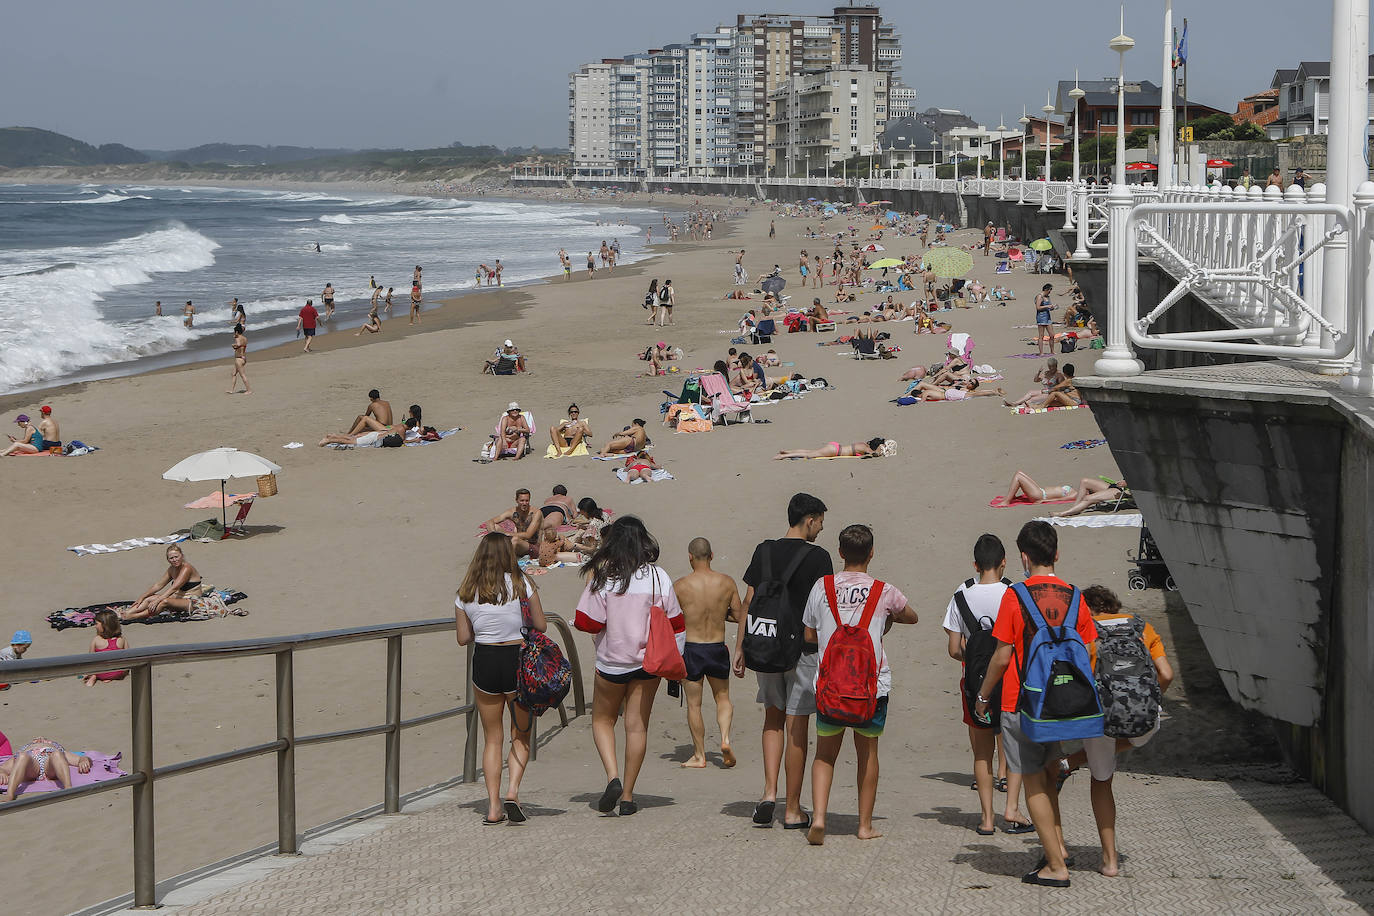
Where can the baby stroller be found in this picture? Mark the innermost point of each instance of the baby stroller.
(1150, 570)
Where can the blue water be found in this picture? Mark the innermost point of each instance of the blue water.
(81, 266)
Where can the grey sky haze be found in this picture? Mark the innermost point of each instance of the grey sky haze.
(416, 73)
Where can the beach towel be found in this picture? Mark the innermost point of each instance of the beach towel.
(1026, 409)
(579, 452)
(1084, 443)
(294, 445)
(1026, 355)
(443, 434)
(999, 502)
(75, 449)
(1129, 520)
(103, 767)
(75, 617)
(86, 550)
(657, 475)
(219, 501)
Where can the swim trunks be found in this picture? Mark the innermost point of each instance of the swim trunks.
(548, 510)
(50, 444)
(309, 332)
(709, 659)
(368, 440)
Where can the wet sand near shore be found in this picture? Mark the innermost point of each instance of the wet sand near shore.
(363, 536)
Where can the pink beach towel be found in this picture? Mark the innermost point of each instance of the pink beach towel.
(102, 768)
(999, 502)
(1025, 409)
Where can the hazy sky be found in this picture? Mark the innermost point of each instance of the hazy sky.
(415, 73)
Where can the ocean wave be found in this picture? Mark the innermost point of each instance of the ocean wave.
(341, 218)
(107, 198)
(51, 320)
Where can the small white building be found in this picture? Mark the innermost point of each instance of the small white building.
(1305, 99)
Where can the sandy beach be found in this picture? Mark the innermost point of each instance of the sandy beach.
(371, 535)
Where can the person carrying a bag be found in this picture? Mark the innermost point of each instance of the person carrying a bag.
(639, 632)
(489, 613)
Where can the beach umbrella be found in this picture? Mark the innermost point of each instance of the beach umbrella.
(773, 285)
(222, 464)
(873, 246)
(882, 202)
(1219, 163)
(885, 262)
(948, 263)
(1141, 166)
(1042, 245)
(893, 214)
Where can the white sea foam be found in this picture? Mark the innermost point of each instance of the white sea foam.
(51, 322)
(107, 198)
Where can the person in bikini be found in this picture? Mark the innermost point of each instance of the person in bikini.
(174, 591)
(709, 600)
(1094, 490)
(1061, 394)
(513, 434)
(640, 466)
(527, 523)
(568, 434)
(958, 391)
(631, 439)
(877, 447)
(558, 508)
(41, 759)
(1032, 492)
(369, 439)
(240, 362)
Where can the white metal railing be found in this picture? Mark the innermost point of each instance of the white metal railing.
(1256, 258)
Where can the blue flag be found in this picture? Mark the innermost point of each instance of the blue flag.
(1181, 52)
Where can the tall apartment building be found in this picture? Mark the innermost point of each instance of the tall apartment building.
(589, 114)
(703, 107)
(819, 120)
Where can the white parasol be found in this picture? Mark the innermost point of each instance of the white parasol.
(222, 464)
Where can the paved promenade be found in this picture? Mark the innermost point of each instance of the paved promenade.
(1258, 844)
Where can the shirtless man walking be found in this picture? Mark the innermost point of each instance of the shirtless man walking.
(709, 599)
(526, 521)
(376, 417)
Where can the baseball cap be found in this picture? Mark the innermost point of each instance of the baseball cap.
(22, 418)
(22, 638)
(513, 405)
(508, 342)
(45, 409)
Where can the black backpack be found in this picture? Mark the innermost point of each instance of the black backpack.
(773, 628)
(978, 651)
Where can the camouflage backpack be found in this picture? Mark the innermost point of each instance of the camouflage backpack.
(1126, 679)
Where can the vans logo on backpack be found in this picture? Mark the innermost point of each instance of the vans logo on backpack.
(761, 626)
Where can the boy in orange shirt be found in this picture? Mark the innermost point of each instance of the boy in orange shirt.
(1039, 547)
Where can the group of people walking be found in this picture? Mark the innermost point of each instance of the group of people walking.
(815, 639)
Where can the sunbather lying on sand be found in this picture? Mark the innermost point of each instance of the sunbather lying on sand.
(877, 447)
(959, 391)
(640, 466)
(631, 439)
(1032, 492)
(365, 440)
(1094, 490)
(40, 759)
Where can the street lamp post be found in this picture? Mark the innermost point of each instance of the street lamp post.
(1077, 94)
(1048, 109)
(1021, 185)
(1166, 103)
(981, 135)
(1001, 158)
(1121, 44)
(1071, 209)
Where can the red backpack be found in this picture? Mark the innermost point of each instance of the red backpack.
(847, 686)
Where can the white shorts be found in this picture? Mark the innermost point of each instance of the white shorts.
(1101, 752)
(793, 691)
(368, 440)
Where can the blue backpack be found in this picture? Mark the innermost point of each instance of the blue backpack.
(1059, 699)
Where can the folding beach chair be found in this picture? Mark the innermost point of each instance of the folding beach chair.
(236, 527)
(504, 365)
(489, 450)
(865, 348)
(764, 332)
(722, 406)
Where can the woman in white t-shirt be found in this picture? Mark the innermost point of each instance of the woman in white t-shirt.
(622, 585)
(488, 613)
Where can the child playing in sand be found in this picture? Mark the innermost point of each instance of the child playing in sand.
(640, 466)
(40, 759)
(554, 549)
(108, 638)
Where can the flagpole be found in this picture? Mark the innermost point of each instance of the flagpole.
(1183, 62)
(1165, 179)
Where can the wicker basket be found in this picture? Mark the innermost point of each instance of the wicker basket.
(267, 485)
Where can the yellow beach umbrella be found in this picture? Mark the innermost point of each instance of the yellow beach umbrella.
(949, 262)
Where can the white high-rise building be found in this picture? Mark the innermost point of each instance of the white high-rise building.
(708, 104)
(819, 120)
(589, 115)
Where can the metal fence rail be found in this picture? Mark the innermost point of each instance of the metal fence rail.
(144, 774)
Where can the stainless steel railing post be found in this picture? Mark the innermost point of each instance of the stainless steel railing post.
(391, 792)
(470, 747)
(145, 844)
(286, 756)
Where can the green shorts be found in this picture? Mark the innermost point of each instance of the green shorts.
(873, 728)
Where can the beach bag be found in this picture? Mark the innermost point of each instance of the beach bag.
(1068, 344)
(211, 529)
(267, 485)
(1127, 683)
(847, 682)
(1058, 694)
(978, 650)
(661, 655)
(394, 440)
(543, 676)
(773, 628)
(648, 300)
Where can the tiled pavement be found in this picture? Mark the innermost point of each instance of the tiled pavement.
(1191, 846)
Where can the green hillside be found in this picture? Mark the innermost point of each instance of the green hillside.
(30, 146)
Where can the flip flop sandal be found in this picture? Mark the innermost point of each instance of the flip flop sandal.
(514, 812)
(1033, 877)
(1068, 863)
(799, 825)
(981, 832)
(1002, 784)
(1016, 828)
(763, 813)
(488, 822)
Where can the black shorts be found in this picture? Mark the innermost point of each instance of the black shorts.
(309, 332)
(494, 667)
(638, 674)
(709, 659)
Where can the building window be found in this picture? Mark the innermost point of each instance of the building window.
(1142, 118)
(1107, 116)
